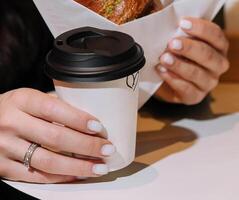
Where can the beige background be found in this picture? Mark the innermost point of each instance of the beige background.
(232, 16)
(232, 31)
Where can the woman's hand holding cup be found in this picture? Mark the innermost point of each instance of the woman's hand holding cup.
(27, 117)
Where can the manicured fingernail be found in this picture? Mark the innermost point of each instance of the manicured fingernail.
(95, 126)
(100, 169)
(81, 178)
(108, 150)
(162, 69)
(168, 58)
(176, 44)
(186, 24)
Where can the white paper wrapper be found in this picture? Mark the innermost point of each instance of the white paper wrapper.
(114, 103)
(153, 32)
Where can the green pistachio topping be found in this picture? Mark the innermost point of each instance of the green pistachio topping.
(111, 7)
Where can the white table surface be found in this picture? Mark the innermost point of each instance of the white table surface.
(208, 169)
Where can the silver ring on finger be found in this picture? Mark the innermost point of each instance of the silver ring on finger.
(28, 155)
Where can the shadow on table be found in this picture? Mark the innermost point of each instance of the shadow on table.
(149, 142)
(169, 113)
(162, 141)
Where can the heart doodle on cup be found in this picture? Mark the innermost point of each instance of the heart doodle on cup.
(132, 80)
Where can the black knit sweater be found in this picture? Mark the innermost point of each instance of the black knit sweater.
(24, 42)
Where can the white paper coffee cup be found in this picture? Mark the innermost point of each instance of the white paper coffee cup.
(111, 96)
(115, 104)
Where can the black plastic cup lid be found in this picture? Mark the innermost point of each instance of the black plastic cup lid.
(93, 55)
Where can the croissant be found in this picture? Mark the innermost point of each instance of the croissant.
(121, 11)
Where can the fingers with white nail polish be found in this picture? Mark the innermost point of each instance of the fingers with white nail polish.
(191, 66)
